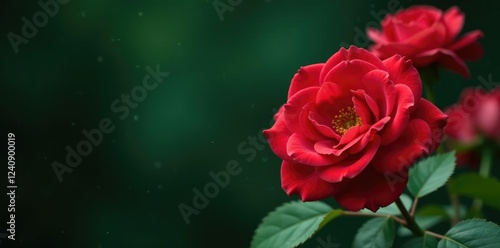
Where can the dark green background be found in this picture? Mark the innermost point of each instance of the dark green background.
(226, 77)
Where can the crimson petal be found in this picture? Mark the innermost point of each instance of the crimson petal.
(454, 21)
(294, 107)
(370, 189)
(304, 181)
(434, 117)
(350, 167)
(353, 53)
(403, 152)
(301, 150)
(400, 115)
(446, 58)
(307, 76)
(277, 137)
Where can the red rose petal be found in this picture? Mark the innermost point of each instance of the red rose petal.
(474, 51)
(434, 117)
(304, 181)
(421, 13)
(375, 35)
(307, 127)
(350, 138)
(454, 21)
(366, 107)
(348, 74)
(377, 85)
(301, 150)
(466, 40)
(280, 112)
(353, 53)
(277, 137)
(387, 28)
(370, 189)
(294, 107)
(369, 135)
(351, 166)
(402, 153)
(307, 76)
(444, 57)
(400, 115)
(331, 98)
(429, 38)
(401, 71)
(467, 47)
(325, 147)
(329, 147)
(323, 125)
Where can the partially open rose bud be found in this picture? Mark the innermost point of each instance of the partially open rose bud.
(426, 35)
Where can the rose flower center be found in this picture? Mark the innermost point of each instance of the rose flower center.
(345, 119)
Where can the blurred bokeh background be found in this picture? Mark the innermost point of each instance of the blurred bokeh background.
(227, 76)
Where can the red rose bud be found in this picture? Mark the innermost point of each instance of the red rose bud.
(426, 35)
(352, 127)
(476, 115)
(488, 115)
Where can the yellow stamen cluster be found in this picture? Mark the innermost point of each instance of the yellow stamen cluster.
(345, 119)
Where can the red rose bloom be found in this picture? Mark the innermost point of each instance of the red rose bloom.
(351, 126)
(426, 35)
(476, 115)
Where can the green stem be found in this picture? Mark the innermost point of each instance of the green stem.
(484, 171)
(410, 221)
(439, 236)
(414, 207)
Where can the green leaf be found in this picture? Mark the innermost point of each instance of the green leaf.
(430, 215)
(475, 186)
(393, 208)
(292, 223)
(432, 210)
(375, 233)
(431, 173)
(426, 241)
(473, 233)
(330, 216)
(424, 222)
